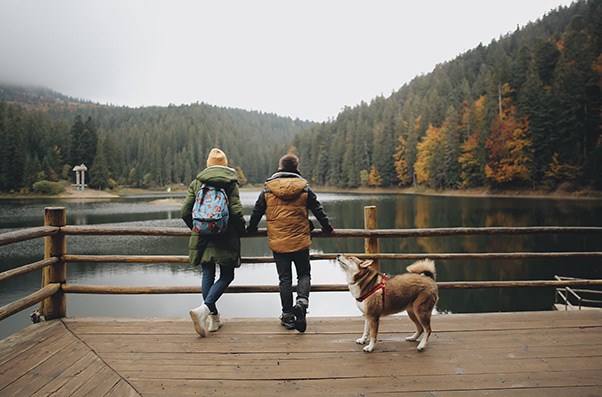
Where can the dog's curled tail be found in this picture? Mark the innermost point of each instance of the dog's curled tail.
(425, 267)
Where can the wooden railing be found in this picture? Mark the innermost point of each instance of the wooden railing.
(54, 276)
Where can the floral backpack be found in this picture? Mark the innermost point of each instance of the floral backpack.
(210, 212)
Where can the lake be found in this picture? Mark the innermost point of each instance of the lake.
(345, 211)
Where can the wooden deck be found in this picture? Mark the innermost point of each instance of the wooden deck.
(497, 354)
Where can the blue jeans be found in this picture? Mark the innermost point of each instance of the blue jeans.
(285, 274)
(212, 290)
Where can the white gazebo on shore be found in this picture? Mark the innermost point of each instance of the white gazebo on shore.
(80, 176)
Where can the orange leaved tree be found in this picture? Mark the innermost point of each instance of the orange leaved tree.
(509, 150)
(429, 164)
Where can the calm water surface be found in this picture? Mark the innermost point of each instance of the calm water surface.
(345, 211)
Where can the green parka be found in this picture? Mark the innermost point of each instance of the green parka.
(222, 248)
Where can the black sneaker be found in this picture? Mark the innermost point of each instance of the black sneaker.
(299, 311)
(287, 320)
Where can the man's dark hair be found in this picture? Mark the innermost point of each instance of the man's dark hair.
(288, 162)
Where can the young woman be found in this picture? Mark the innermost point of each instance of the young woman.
(211, 251)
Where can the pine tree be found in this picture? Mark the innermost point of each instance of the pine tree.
(575, 86)
(99, 172)
(77, 146)
(321, 165)
(12, 153)
(84, 140)
(451, 143)
(536, 103)
(545, 58)
(364, 178)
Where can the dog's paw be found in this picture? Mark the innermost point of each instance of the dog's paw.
(421, 347)
(361, 341)
(369, 348)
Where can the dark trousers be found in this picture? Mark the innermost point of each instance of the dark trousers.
(285, 275)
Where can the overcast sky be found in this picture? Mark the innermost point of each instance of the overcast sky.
(305, 59)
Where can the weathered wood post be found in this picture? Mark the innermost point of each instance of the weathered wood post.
(371, 243)
(55, 246)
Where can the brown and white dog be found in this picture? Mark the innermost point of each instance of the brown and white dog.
(376, 296)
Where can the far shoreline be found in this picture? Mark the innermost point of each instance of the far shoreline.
(175, 190)
(476, 193)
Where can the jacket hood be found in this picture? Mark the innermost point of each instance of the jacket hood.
(218, 176)
(286, 185)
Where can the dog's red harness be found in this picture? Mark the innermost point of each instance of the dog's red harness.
(381, 285)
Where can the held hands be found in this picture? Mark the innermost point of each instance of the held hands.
(251, 230)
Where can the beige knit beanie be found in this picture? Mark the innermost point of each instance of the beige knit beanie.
(217, 157)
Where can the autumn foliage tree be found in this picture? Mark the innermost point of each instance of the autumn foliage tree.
(429, 164)
(402, 170)
(470, 162)
(374, 179)
(472, 157)
(509, 150)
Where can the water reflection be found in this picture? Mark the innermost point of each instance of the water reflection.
(345, 211)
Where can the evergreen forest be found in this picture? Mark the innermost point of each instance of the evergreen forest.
(45, 136)
(523, 112)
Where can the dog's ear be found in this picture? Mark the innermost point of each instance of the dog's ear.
(366, 263)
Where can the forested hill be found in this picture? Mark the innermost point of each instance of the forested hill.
(521, 112)
(43, 134)
(36, 97)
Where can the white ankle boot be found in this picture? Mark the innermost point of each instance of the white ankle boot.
(199, 318)
(214, 322)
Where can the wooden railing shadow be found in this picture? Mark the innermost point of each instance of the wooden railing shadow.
(54, 287)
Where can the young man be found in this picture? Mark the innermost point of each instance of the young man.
(285, 200)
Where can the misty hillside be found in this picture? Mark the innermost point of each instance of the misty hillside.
(36, 96)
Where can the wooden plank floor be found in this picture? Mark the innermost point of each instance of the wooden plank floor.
(495, 354)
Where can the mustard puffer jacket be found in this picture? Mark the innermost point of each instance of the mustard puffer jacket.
(285, 201)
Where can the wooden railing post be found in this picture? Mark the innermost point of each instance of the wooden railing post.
(371, 243)
(54, 246)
